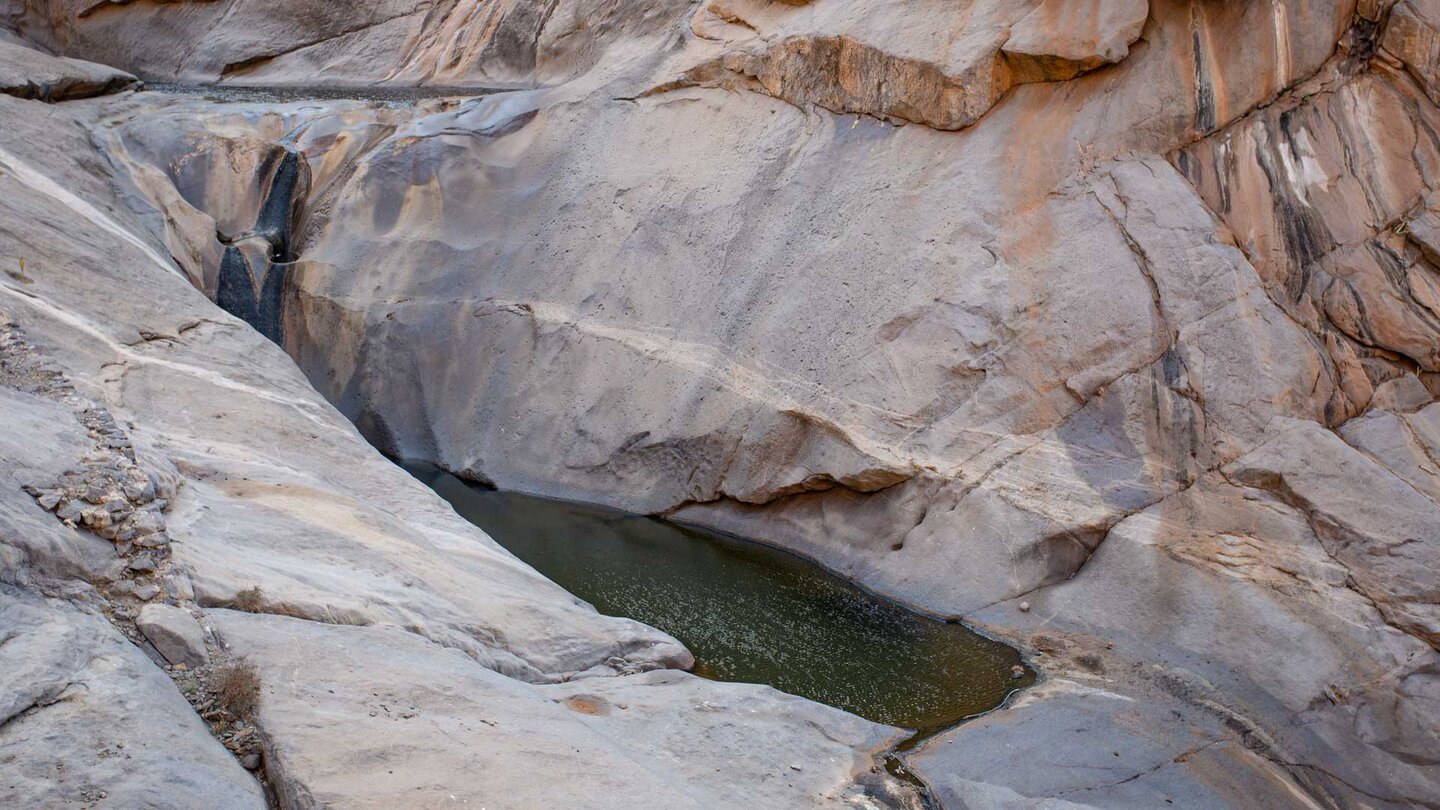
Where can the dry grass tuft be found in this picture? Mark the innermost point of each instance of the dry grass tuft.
(237, 687)
(250, 600)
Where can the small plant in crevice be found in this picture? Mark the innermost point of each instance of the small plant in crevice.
(250, 600)
(236, 687)
(19, 275)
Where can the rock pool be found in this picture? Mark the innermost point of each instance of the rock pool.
(750, 612)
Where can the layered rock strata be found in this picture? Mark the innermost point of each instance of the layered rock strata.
(1126, 312)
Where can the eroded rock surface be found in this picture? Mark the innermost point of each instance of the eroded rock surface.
(1059, 40)
(87, 720)
(30, 73)
(1125, 312)
(269, 502)
(429, 724)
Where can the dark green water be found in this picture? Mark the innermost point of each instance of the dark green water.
(749, 612)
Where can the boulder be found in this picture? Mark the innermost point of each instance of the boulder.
(175, 633)
(1060, 39)
(30, 73)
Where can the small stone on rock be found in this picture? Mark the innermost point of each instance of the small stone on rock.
(143, 564)
(175, 633)
(1024, 607)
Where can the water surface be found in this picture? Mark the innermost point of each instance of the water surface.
(749, 612)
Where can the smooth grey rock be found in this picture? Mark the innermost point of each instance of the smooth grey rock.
(174, 632)
(423, 723)
(44, 440)
(29, 73)
(83, 712)
(1068, 746)
(1379, 528)
(1145, 611)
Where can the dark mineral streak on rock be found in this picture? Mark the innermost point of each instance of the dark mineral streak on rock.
(1204, 93)
(235, 292)
(1307, 239)
(255, 294)
(282, 206)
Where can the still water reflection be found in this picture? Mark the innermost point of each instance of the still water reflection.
(749, 612)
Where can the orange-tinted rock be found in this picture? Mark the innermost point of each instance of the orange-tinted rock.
(825, 275)
(1413, 37)
(1061, 39)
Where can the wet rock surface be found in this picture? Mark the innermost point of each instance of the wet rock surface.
(1121, 344)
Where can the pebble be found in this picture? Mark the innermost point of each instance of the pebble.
(250, 762)
(154, 541)
(1024, 607)
(147, 592)
(1017, 671)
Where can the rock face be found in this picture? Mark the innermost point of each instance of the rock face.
(439, 726)
(30, 73)
(1059, 40)
(86, 719)
(320, 568)
(401, 42)
(1127, 310)
(1411, 37)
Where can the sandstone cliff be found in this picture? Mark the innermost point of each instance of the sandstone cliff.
(1129, 310)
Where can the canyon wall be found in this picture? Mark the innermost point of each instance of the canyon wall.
(1128, 313)
(215, 593)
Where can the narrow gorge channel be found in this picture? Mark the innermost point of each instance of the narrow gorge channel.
(922, 406)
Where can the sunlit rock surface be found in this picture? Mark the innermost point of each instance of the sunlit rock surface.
(1127, 311)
